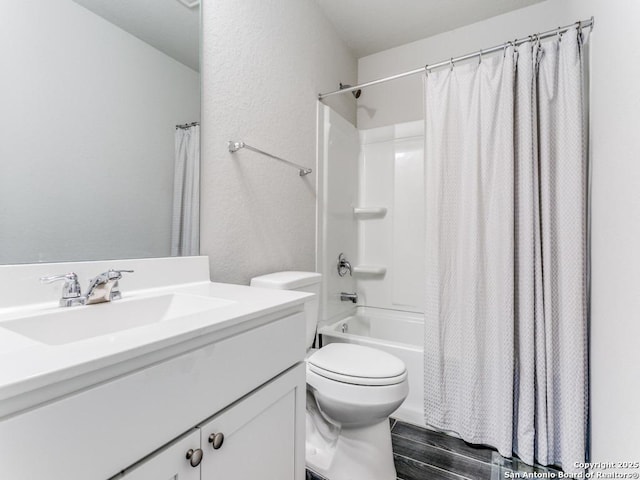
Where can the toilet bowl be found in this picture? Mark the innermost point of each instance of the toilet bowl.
(351, 391)
(352, 398)
(355, 389)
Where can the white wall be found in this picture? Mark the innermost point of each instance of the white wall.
(615, 103)
(264, 63)
(87, 127)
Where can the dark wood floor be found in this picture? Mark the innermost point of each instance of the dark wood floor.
(422, 454)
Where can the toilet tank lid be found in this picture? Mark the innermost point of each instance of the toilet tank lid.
(286, 280)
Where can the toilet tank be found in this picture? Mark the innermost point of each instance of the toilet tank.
(301, 282)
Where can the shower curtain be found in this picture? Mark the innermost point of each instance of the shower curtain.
(506, 238)
(185, 229)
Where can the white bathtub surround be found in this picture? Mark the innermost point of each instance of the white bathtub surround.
(371, 209)
(521, 389)
(391, 173)
(337, 233)
(185, 227)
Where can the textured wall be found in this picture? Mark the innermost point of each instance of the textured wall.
(615, 150)
(264, 62)
(87, 127)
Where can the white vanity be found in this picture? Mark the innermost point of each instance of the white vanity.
(180, 379)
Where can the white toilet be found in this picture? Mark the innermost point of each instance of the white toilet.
(351, 391)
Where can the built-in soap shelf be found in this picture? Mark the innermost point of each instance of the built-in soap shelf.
(372, 270)
(369, 212)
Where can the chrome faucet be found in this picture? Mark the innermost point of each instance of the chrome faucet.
(103, 288)
(349, 297)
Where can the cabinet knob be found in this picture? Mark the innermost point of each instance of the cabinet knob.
(194, 457)
(216, 440)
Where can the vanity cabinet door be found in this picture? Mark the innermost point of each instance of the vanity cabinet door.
(169, 463)
(259, 437)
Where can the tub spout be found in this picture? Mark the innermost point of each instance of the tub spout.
(349, 297)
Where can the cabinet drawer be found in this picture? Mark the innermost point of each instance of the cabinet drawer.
(97, 433)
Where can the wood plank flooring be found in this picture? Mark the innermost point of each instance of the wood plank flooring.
(422, 454)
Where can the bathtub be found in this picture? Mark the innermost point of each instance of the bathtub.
(395, 332)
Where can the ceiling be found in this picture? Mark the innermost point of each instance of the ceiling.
(370, 26)
(166, 25)
(367, 26)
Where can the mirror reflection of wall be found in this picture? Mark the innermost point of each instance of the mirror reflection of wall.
(91, 93)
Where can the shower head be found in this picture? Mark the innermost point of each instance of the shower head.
(355, 93)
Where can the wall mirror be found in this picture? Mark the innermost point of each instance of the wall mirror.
(98, 155)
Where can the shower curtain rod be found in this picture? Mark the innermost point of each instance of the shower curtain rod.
(427, 68)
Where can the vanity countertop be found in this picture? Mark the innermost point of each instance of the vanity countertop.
(34, 372)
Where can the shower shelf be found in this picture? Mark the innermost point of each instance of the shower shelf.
(370, 269)
(370, 212)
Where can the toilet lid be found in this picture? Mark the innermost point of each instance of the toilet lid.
(357, 364)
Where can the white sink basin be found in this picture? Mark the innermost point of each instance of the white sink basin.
(66, 325)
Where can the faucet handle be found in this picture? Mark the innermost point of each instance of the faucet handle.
(71, 287)
(71, 276)
(110, 275)
(107, 276)
(343, 266)
(117, 274)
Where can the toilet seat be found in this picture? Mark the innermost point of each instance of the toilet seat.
(357, 365)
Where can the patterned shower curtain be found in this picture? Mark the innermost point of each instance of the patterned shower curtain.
(185, 229)
(506, 236)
